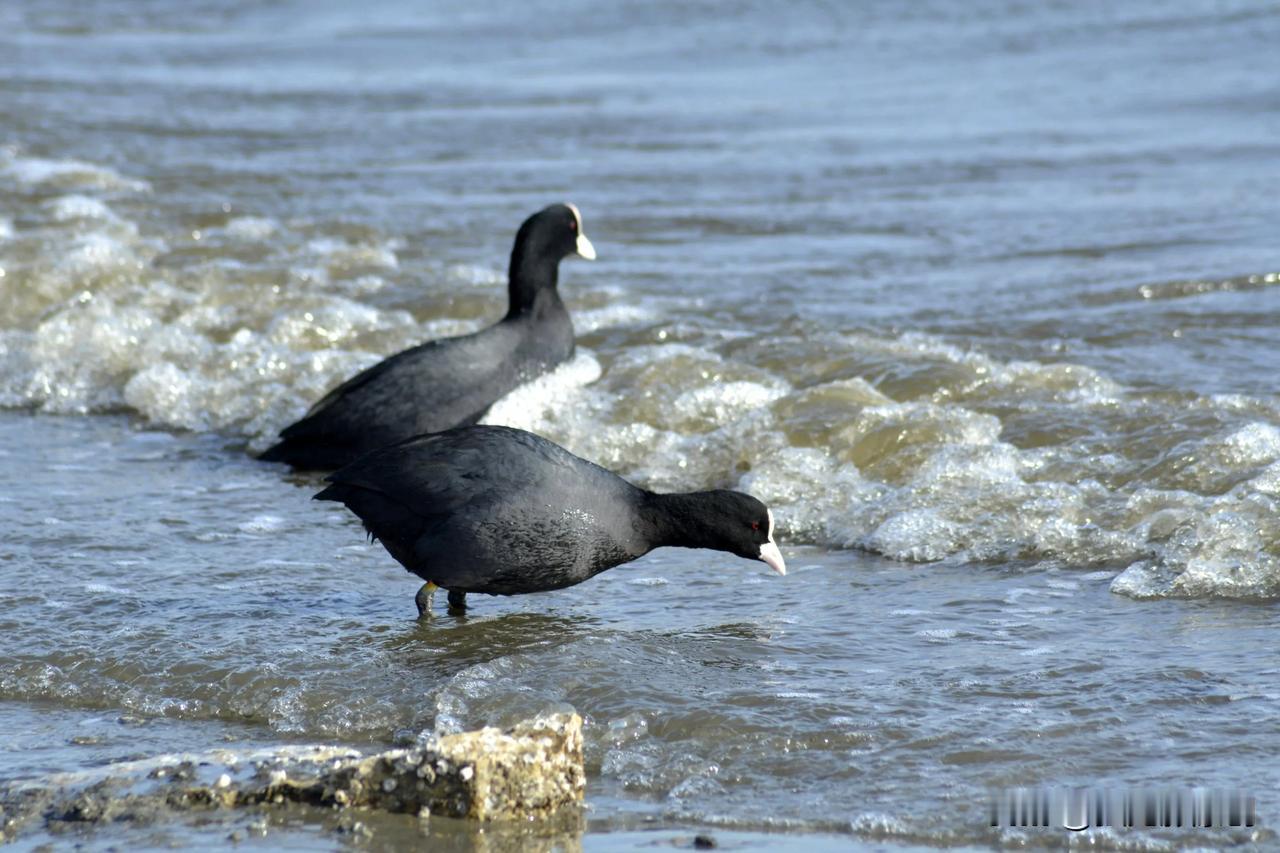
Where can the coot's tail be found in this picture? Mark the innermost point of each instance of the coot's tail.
(332, 492)
(390, 522)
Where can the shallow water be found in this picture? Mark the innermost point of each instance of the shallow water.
(168, 594)
(990, 298)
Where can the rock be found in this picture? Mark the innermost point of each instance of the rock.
(527, 771)
(489, 774)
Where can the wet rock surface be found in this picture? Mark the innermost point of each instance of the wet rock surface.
(528, 771)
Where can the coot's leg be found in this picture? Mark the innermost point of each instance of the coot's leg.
(424, 597)
(457, 600)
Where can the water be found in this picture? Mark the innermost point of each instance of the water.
(982, 300)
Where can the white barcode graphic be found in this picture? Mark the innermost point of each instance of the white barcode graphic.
(1123, 808)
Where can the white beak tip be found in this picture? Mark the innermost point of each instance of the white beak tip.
(770, 554)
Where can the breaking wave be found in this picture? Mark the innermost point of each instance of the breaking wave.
(903, 444)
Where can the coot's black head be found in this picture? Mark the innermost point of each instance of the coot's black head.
(740, 524)
(554, 233)
(543, 241)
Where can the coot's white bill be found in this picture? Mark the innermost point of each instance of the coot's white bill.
(769, 551)
(583, 247)
(770, 554)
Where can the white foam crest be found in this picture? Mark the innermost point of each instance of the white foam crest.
(573, 407)
(251, 229)
(69, 208)
(611, 317)
(1227, 546)
(716, 459)
(1062, 382)
(1247, 447)
(263, 523)
(6, 228)
(344, 254)
(922, 423)
(362, 285)
(810, 491)
(96, 254)
(334, 320)
(536, 406)
(1242, 404)
(918, 535)
(168, 360)
(81, 356)
(38, 171)
(475, 276)
(964, 500)
(853, 390)
(1267, 482)
(716, 404)
(649, 355)
(249, 384)
(970, 464)
(1216, 462)
(217, 351)
(68, 260)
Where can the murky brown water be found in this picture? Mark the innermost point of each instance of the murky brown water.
(984, 304)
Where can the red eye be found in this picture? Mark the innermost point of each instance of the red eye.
(573, 225)
(755, 525)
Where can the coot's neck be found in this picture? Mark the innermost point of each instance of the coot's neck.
(531, 285)
(676, 520)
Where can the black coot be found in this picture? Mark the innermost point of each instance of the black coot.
(502, 511)
(452, 381)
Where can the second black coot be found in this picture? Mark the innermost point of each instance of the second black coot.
(451, 381)
(496, 510)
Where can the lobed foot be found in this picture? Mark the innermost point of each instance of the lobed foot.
(425, 597)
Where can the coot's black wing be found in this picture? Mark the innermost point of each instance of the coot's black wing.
(360, 380)
(403, 492)
(434, 386)
(440, 473)
(457, 460)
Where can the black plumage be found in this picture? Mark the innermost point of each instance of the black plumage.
(503, 511)
(451, 382)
